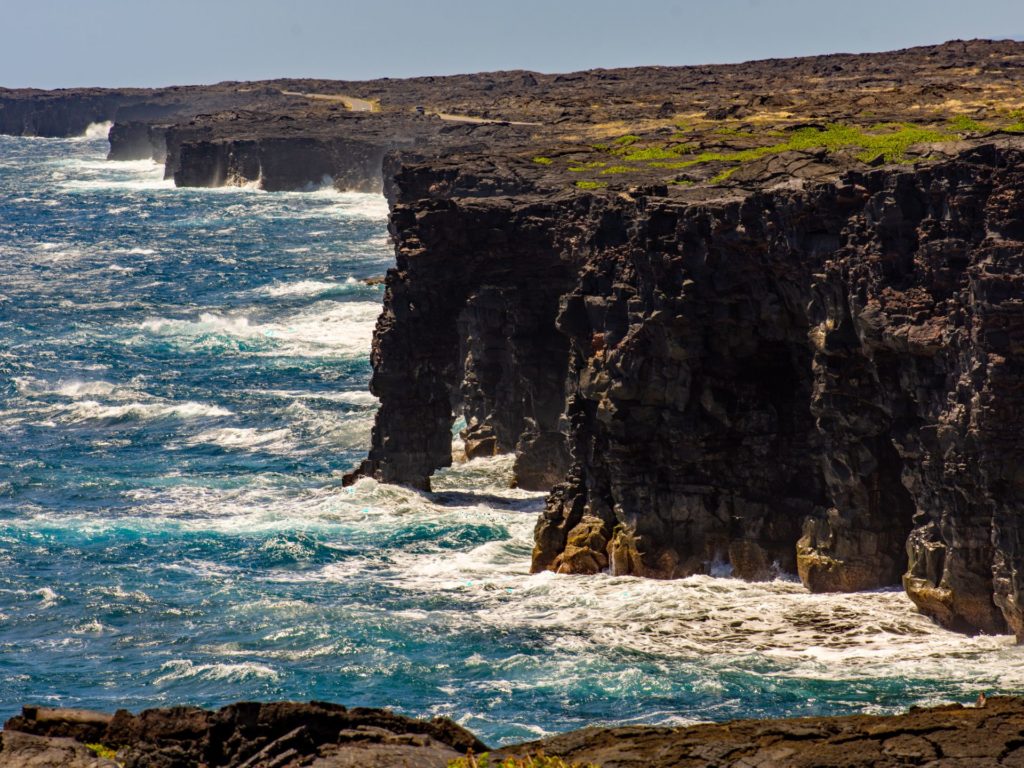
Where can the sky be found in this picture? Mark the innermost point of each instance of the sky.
(72, 43)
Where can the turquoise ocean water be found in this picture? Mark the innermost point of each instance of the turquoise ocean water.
(183, 381)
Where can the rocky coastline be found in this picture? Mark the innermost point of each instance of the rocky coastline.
(767, 318)
(321, 735)
(728, 316)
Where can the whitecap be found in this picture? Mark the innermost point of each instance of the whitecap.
(184, 669)
(92, 627)
(308, 287)
(246, 438)
(47, 597)
(98, 130)
(324, 329)
(91, 410)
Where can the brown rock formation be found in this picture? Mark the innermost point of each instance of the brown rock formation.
(286, 735)
(244, 735)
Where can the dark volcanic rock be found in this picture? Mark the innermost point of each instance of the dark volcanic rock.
(937, 738)
(245, 735)
(285, 735)
(137, 140)
(819, 379)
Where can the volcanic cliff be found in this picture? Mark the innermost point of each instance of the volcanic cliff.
(766, 317)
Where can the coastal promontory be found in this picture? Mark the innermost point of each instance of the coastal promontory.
(763, 318)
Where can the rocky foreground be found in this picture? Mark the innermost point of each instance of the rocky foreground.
(319, 735)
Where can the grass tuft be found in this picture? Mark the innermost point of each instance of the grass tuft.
(103, 751)
(964, 124)
(655, 153)
(591, 184)
(541, 160)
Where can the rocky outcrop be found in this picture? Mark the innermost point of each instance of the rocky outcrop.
(137, 140)
(988, 735)
(68, 112)
(287, 735)
(822, 379)
(468, 326)
(278, 164)
(54, 114)
(297, 151)
(244, 735)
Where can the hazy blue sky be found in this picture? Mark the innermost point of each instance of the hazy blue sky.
(59, 43)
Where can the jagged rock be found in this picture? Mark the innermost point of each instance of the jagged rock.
(940, 737)
(244, 735)
(802, 379)
(285, 735)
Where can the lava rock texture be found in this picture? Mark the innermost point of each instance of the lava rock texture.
(244, 735)
(288, 735)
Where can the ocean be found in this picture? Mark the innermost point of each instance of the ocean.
(184, 381)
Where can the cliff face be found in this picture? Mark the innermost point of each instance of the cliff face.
(55, 115)
(468, 325)
(823, 380)
(275, 163)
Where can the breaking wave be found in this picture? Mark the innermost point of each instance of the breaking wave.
(97, 130)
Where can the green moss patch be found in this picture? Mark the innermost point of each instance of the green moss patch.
(103, 751)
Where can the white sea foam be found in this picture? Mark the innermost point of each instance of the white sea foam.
(183, 669)
(132, 175)
(75, 389)
(246, 438)
(92, 410)
(361, 205)
(137, 185)
(47, 597)
(352, 397)
(324, 329)
(309, 287)
(91, 627)
(97, 130)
